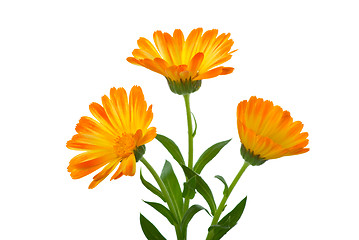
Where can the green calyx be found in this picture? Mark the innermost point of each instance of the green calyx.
(249, 157)
(184, 87)
(139, 151)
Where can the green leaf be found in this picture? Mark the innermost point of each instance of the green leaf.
(150, 231)
(225, 191)
(189, 188)
(188, 216)
(174, 190)
(202, 188)
(152, 188)
(228, 221)
(163, 210)
(171, 147)
(208, 155)
(195, 125)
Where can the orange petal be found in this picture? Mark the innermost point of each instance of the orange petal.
(173, 50)
(141, 54)
(227, 70)
(207, 40)
(88, 125)
(86, 142)
(152, 65)
(103, 174)
(95, 162)
(134, 61)
(210, 74)
(100, 114)
(219, 61)
(161, 45)
(138, 136)
(148, 137)
(162, 64)
(147, 46)
(81, 158)
(172, 73)
(178, 38)
(129, 165)
(195, 63)
(191, 45)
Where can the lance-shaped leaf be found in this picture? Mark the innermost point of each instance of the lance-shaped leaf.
(150, 231)
(171, 147)
(189, 188)
(225, 191)
(173, 188)
(202, 188)
(208, 155)
(163, 210)
(152, 188)
(188, 216)
(228, 221)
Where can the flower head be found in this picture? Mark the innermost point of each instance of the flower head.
(268, 132)
(185, 62)
(116, 139)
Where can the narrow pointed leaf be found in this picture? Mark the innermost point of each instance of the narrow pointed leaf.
(163, 210)
(208, 155)
(150, 231)
(195, 125)
(225, 191)
(228, 221)
(189, 215)
(174, 190)
(171, 147)
(152, 188)
(189, 188)
(202, 188)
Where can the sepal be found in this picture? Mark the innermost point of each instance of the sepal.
(139, 152)
(184, 87)
(249, 157)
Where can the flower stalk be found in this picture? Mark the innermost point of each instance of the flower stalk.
(190, 141)
(226, 196)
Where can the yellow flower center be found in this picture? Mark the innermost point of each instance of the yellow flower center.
(124, 145)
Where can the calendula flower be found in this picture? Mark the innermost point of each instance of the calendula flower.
(116, 138)
(185, 62)
(268, 132)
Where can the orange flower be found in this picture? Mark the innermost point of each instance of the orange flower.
(268, 132)
(117, 138)
(185, 61)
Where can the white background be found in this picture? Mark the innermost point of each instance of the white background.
(56, 57)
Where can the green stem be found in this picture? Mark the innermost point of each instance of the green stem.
(221, 206)
(190, 131)
(178, 232)
(190, 142)
(166, 195)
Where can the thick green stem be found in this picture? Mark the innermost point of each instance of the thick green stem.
(178, 232)
(221, 206)
(166, 195)
(190, 142)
